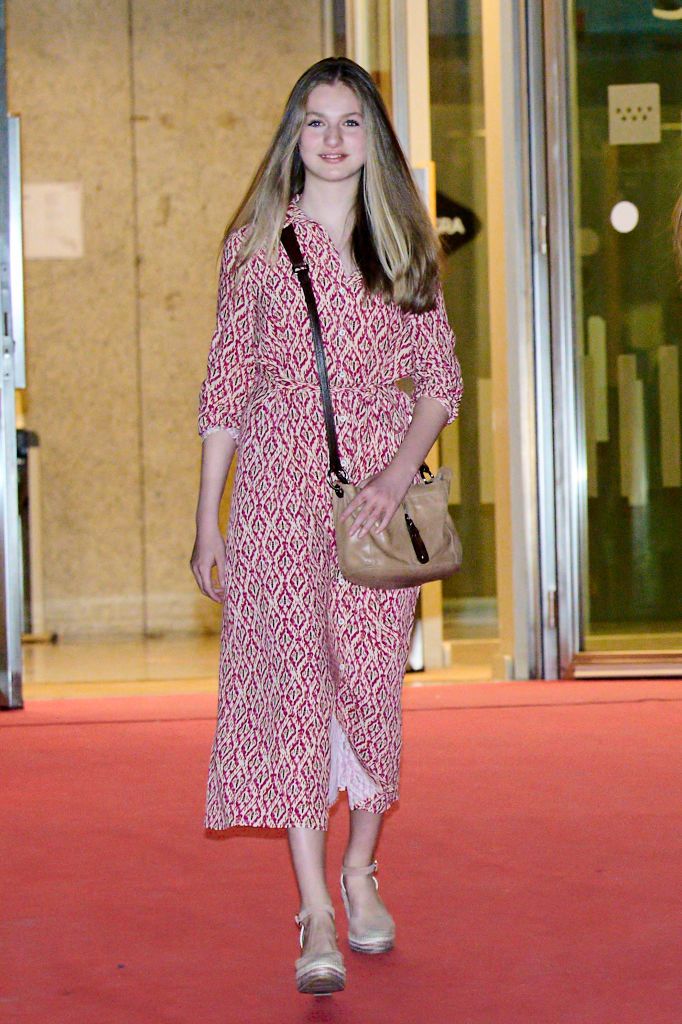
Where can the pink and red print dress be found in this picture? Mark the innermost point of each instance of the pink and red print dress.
(311, 666)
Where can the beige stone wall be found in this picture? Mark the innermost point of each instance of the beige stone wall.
(162, 111)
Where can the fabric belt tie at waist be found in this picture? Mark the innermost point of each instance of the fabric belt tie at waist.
(302, 385)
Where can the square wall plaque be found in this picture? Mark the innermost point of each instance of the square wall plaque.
(634, 114)
(53, 220)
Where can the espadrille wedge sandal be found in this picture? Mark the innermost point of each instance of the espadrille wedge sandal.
(374, 940)
(319, 974)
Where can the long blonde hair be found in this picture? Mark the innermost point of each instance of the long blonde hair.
(393, 242)
(677, 237)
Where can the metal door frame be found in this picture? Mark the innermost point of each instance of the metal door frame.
(11, 588)
(566, 418)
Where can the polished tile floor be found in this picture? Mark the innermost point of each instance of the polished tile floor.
(120, 667)
(164, 665)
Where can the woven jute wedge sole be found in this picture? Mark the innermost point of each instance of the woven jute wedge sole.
(318, 974)
(320, 978)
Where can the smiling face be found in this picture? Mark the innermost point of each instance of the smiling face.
(332, 142)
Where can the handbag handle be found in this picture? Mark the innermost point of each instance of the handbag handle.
(301, 271)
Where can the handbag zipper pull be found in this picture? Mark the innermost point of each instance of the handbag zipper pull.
(416, 538)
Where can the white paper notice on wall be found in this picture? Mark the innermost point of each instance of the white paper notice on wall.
(634, 114)
(53, 220)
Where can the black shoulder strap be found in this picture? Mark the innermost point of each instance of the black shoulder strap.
(300, 266)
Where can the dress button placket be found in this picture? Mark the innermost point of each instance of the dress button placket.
(341, 375)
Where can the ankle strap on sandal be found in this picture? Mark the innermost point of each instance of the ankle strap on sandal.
(305, 912)
(369, 869)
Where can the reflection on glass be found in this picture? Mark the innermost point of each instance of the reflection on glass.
(364, 29)
(458, 147)
(624, 216)
(629, 150)
(339, 27)
(376, 30)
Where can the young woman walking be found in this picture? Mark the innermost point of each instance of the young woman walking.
(311, 665)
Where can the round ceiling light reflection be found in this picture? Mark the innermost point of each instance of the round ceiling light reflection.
(624, 216)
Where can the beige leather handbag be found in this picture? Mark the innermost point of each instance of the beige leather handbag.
(404, 554)
(420, 542)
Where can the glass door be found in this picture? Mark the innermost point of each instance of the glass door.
(624, 103)
(458, 145)
(452, 90)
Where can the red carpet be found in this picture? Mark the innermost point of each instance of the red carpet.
(533, 866)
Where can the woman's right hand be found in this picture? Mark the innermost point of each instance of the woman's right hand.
(209, 550)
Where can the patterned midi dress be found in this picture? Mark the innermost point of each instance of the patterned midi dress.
(311, 665)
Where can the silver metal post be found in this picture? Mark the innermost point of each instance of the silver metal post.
(11, 584)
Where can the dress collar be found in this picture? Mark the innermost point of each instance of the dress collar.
(294, 211)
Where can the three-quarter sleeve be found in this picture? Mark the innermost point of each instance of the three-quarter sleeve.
(231, 358)
(436, 371)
